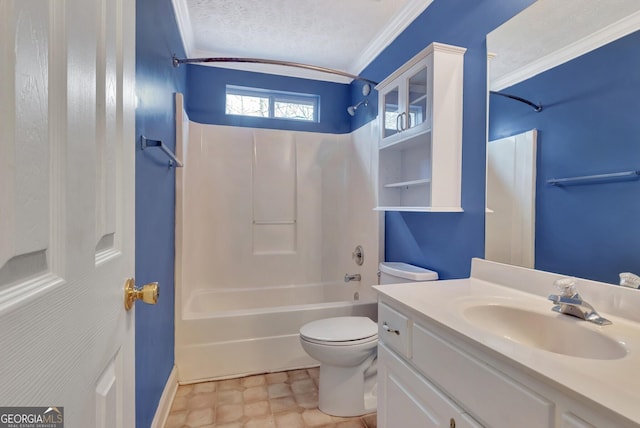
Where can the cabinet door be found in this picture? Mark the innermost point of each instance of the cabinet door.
(407, 400)
(417, 96)
(391, 110)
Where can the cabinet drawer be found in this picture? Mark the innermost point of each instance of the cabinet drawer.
(394, 330)
(408, 400)
(471, 380)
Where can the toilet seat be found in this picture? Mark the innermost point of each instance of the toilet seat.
(340, 331)
(343, 343)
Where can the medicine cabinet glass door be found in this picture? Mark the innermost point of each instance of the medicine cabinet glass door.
(417, 87)
(392, 112)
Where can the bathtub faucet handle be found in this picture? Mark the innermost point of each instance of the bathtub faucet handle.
(354, 277)
(358, 255)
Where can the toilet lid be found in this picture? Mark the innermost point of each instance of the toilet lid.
(340, 329)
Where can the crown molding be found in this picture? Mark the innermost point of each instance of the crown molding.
(580, 47)
(184, 26)
(420, 56)
(396, 26)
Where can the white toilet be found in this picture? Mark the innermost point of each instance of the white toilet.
(347, 348)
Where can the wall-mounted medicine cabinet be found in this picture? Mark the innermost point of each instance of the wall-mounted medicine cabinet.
(420, 145)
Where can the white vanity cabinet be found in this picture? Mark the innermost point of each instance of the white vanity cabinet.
(406, 398)
(429, 377)
(411, 400)
(420, 141)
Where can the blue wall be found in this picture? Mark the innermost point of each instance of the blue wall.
(156, 81)
(446, 242)
(589, 125)
(206, 101)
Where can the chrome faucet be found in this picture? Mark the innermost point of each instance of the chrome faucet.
(569, 302)
(354, 277)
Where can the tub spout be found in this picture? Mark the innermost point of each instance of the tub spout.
(354, 277)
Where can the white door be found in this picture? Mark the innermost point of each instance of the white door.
(67, 104)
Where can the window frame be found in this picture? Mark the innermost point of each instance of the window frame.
(276, 96)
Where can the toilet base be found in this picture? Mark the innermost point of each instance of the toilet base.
(347, 391)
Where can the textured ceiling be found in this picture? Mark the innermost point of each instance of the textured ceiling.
(347, 34)
(327, 33)
(549, 26)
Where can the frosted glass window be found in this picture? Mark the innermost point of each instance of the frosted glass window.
(258, 102)
(294, 110)
(247, 105)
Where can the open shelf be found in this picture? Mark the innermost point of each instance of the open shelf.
(409, 183)
(411, 138)
(422, 209)
(417, 99)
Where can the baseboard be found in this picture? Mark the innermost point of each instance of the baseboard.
(166, 400)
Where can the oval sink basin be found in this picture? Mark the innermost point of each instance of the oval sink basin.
(561, 334)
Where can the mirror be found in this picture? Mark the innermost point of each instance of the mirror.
(580, 60)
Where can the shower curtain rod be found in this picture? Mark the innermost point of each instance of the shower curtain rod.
(178, 61)
(536, 107)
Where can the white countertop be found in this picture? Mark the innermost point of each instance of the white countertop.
(613, 383)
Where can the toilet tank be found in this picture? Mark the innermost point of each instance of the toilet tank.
(397, 272)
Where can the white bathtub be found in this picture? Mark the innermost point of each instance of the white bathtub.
(224, 333)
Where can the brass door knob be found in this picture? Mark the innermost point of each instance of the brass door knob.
(148, 293)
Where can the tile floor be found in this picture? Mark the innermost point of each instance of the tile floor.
(274, 400)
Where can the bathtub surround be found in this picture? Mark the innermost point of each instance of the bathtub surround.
(264, 208)
(267, 222)
(273, 189)
(511, 199)
(443, 242)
